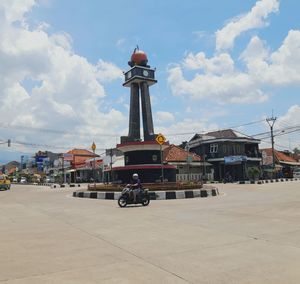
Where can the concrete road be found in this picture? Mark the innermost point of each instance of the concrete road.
(248, 234)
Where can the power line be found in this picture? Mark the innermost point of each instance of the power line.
(212, 130)
(47, 130)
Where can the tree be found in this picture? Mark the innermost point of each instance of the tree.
(253, 173)
(296, 151)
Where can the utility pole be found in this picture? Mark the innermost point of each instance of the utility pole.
(271, 121)
(111, 163)
(62, 169)
(188, 161)
(94, 149)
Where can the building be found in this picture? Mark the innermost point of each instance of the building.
(82, 166)
(230, 152)
(284, 163)
(190, 166)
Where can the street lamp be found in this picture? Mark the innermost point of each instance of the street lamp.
(94, 148)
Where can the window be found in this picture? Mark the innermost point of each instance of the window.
(213, 148)
(126, 159)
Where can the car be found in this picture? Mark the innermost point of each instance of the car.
(49, 179)
(296, 173)
(23, 180)
(4, 182)
(15, 179)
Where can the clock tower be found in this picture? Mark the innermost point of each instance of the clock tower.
(138, 79)
(143, 157)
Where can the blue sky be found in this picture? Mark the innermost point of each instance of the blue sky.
(219, 64)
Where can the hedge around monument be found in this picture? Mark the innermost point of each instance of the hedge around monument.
(151, 186)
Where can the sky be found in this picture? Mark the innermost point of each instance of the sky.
(219, 64)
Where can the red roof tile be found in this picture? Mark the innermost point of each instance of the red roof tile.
(279, 156)
(80, 156)
(81, 152)
(176, 154)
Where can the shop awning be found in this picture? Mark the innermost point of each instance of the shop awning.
(290, 163)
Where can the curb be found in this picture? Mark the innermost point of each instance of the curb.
(154, 195)
(267, 181)
(52, 185)
(33, 183)
(65, 185)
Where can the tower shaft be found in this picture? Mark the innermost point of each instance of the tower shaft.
(146, 112)
(134, 115)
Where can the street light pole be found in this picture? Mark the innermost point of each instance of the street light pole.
(94, 148)
(162, 163)
(111, 154)
(271, 121)
(188, 161)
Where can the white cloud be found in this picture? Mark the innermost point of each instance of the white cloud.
(14, 10)
(281, 67)
(66, 91)
(185, 129)
(108, 72)
(218, 64)
(164, 116)
(286, 131)
(227, 88)
(289, 119)
(256, 18)
(224, 79)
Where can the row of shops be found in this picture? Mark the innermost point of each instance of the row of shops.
(224, 155)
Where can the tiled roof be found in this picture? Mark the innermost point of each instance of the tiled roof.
(11, 171)
(176, 154)
(81, 152)
(221, 134)
(297, 157)
(227, 133)
(80, 156)
(279, 156)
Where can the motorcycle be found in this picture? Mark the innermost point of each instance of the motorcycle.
(126, 197)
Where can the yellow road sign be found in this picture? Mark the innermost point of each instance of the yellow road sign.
(94, 146)
(160, 139)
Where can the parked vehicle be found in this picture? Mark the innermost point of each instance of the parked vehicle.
(296, 173)
(49, 180)
(23, 180)
(15, 179)
(4, 182)
(126, 197)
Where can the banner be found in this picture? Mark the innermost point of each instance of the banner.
(234, 159)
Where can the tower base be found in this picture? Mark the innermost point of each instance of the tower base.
(143, 158)
(147, 173)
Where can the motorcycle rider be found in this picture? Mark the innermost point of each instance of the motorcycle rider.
(136, 187)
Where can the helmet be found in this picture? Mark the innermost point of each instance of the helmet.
(135, 176)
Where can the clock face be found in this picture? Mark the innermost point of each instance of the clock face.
(145, 73)
(129, 74)
(154, 158)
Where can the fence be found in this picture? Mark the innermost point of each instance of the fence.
(192, 177)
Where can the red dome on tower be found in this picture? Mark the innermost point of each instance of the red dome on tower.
(138, 57)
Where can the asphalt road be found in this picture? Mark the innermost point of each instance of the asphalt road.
(248, 234)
